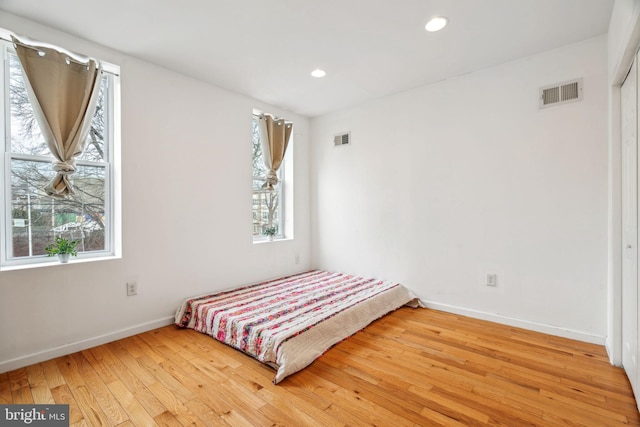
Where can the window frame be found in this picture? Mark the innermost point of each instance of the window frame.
(257, 238)
(110, 165)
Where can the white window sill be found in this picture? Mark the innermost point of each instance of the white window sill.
(53, 261)
(277, 239)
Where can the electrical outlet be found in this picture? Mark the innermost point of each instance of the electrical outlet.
(492, 279)
(132, 288)
(297, 259)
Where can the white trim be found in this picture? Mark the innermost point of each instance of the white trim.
(5, 178)
(41, 356)
(283, 177)
(45, 261)
(614, 257)
(48, 159)
(115, 179)
(519, 323)
(287, 207)
(110, 164)
(617, 73)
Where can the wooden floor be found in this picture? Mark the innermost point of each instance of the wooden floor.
(415, 367)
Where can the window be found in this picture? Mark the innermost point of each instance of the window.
(29, 218)
(267, 205)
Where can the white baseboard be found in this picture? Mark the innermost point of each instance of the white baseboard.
(30, 359)
(519, 323)
(41, 356)
(615, 355)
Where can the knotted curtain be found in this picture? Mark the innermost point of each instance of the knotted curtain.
(63, 89)
(274, 139)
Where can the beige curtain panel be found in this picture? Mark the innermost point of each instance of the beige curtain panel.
(63, 89)
(274, 139)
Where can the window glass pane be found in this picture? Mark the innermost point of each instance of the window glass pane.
(95, 147)
(26, 137)
(31, 219)
(266, 204)
(257, 165)
(266, 212)
(37, 219)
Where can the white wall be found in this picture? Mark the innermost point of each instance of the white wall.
(450, 181)
(186, 173)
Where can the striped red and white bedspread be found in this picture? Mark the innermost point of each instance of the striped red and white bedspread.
(289, 322)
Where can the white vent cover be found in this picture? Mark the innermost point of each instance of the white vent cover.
(342, 139)
(560, 93)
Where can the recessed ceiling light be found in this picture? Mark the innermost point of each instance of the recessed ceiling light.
(436, 24)
(318, 73)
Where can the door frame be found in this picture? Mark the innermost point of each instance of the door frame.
(617, 74)
(630, 202)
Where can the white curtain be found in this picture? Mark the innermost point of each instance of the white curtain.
(274, 139)
(63, 89)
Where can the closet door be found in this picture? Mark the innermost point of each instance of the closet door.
(629, 134)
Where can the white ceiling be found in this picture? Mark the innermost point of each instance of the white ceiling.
(370, 48)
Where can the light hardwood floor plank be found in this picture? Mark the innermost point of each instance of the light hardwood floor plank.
(108, 403)
(135, 410)
(52, 374)
(413, 367)
(63, 396)
(5, 389)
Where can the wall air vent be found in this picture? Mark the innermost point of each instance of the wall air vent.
(560, 93)
(342, 139)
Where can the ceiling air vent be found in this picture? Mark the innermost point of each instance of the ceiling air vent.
(560, 93)
(342, 139)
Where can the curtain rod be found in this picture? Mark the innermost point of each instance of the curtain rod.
(70, 56)
(274, 117)
(107, 67)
